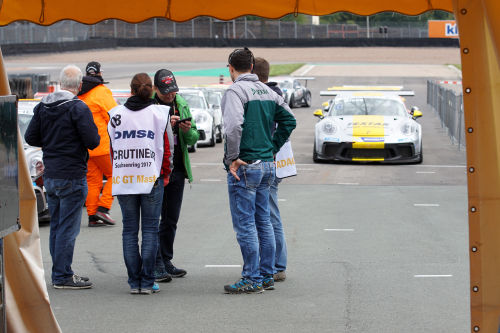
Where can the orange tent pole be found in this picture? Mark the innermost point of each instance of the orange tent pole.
(4, 80)
(481, 94)
(24, 275)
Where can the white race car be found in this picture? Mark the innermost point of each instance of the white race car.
(34, 156)
(202, 115)
(368, 126)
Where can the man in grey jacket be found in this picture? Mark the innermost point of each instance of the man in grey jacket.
(63, 126)
(250, 109)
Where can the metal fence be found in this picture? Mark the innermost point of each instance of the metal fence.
(446, 98)
(205, 27)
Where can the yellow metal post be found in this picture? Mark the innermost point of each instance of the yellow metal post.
(481, 93)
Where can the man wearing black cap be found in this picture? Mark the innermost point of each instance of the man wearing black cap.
(185, 134)
(100, 100)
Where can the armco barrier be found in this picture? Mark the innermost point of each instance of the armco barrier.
(18, 49)
(449, 105)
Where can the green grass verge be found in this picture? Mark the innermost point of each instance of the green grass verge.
(284, 69)
(459, 66)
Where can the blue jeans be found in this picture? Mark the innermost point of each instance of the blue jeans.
(279, 234)
(249, 204)
(170, 212)
(65, 199)
(140, 209)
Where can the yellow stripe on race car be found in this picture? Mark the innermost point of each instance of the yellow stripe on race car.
(358, 159)
(368, 126)
(368, 145)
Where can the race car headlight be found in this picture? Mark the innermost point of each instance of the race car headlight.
(201, 117)
(329, 127)
(408, 129)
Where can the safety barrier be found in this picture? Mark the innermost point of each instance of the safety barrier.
(446, 98)
(241, 29)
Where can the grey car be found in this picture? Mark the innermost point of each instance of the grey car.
(294, 92)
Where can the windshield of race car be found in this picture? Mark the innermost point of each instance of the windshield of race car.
(285, 84)
(214, 98)
(367, 106)
(195, 101)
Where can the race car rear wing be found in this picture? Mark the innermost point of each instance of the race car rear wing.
(367, 90)
(305, 78)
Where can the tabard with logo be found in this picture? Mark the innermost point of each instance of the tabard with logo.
(137, 144)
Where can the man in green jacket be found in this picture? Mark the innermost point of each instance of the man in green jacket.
(251, 110)
(185, 134)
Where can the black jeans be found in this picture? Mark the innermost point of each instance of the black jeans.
(170, 211)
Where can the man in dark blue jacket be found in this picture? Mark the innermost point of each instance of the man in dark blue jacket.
(63, 126)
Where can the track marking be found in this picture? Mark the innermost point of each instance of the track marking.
(338, 229)
(426, 205)
(305, 169)
(316, 165)
(303, 70)
(210, 180)
(281, 199)
(222, 266)
(426, 172)
(432, 276)
(347, 183)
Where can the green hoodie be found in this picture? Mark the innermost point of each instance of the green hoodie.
(189, 138)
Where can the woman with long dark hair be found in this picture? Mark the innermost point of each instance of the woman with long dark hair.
(141, 152)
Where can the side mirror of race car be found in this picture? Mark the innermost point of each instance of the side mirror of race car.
(318, 113)
(415, 112)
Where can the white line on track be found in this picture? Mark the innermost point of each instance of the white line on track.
(432, 276)
(303, 70)
(210, 180)
(305, 169)
(281, 199)
(426, 205)
(222, 266)
(439, 166)
(316, 165)
(338, 229)
(347, 183)
(426, 172)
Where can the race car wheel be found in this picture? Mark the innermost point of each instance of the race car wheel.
(307, 100)
(292, 102)
(421, 157)
(315, 154)
(192, 149)
(218, 138)
(212, 138)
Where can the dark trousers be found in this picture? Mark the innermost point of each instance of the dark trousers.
(171, 209)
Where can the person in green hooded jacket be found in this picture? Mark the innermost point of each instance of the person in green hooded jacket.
(185, 134)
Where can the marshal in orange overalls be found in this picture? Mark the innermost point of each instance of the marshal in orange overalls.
(99, 100)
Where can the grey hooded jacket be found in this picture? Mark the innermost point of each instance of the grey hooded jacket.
(249, 110)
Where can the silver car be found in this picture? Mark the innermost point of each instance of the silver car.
(368, 127)
(34, 157)
(294, 92)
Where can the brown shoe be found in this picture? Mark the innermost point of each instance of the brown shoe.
(280, 276)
